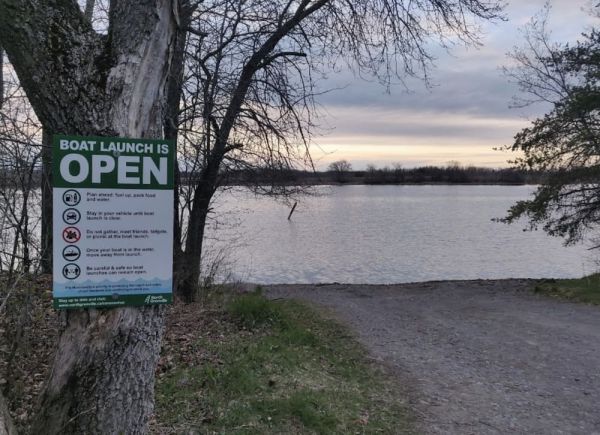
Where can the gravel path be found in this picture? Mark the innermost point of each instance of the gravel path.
(479, 357)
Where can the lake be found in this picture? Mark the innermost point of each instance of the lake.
(386, 234)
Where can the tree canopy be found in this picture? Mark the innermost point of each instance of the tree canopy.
(565, 142)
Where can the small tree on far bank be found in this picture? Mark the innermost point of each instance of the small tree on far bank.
(565, 142)
(341, 169)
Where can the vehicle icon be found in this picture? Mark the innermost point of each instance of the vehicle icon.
(71, 197)
(71, 234)
(71, 271)
(71, 253)
(71, 216)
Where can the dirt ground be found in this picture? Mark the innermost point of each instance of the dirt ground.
(478, 357)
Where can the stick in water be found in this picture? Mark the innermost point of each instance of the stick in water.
(292, 211)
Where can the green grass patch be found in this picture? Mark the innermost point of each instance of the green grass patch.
(586, 289)
(278, 368)
(253, 310)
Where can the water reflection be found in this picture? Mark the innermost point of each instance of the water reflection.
(387, 234)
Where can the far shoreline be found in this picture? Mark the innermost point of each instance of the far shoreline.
(358, 183)
(251, 286)
(584, 290)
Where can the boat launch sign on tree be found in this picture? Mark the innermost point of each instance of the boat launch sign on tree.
(113, 221)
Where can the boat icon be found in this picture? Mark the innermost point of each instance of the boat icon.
(71, 253)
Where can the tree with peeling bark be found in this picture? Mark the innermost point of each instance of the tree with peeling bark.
(250, 74)
(82, 82)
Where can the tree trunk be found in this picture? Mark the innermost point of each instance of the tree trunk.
(102, 379)
(191, 261)
(79, 82)
(171, 128)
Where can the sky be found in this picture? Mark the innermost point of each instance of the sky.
(462, 117)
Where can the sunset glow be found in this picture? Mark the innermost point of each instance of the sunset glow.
(463, 116)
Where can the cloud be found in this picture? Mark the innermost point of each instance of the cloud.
(446, 126)
(464, 115)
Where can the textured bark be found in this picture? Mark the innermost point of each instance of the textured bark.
(103, 375)
(79, 82)
(6, 425)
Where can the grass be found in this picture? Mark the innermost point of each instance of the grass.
(277, 367)
(586, 289)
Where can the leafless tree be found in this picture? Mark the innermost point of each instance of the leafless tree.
(341, 168)
(6, 423)
(251, 74)
(17, 162)
(20, 137)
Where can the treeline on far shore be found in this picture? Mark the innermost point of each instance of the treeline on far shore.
(386, 175)
(372, 175)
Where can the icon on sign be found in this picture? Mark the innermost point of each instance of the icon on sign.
(71, 197)
(71, 271)
(71, 253)
(71, 234)
(71, 216)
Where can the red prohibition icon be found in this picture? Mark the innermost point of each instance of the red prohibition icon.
(71, 234)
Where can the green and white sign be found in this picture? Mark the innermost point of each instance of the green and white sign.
(113, 221)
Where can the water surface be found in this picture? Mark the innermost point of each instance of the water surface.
(387, 234)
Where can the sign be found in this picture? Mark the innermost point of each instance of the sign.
(113, 221)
